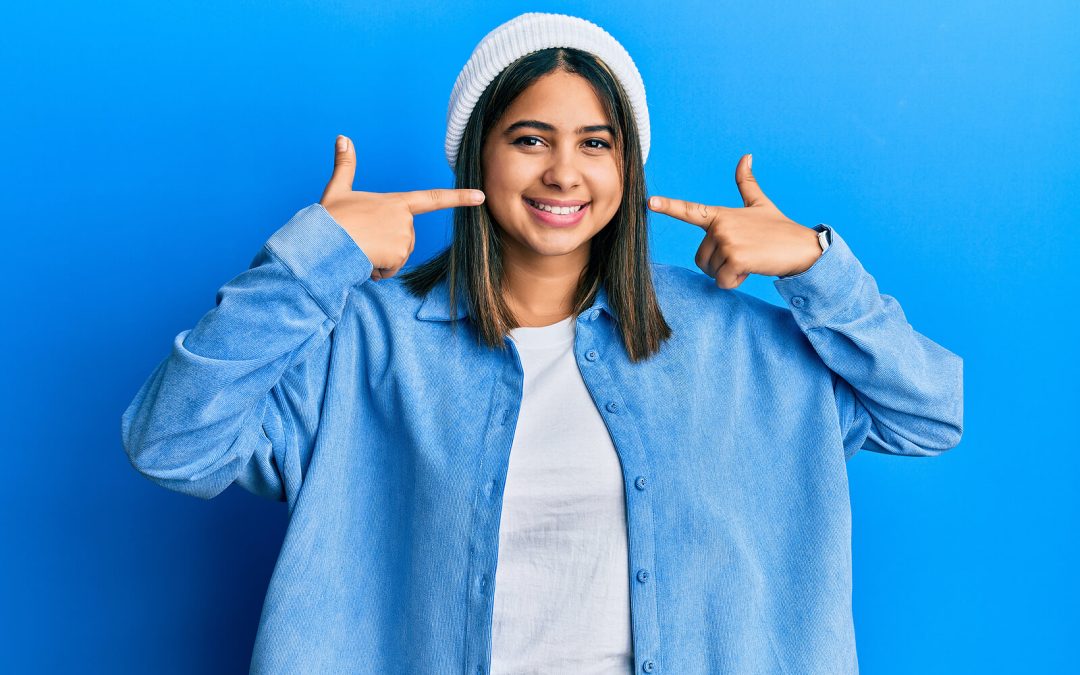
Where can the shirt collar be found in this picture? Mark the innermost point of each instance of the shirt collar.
(436, 305)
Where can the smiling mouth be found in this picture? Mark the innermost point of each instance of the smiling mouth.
(557, 210)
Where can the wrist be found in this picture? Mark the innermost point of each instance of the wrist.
(813, 252)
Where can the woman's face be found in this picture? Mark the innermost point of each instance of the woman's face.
(560, 149)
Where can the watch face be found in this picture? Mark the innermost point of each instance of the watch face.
(823, 239)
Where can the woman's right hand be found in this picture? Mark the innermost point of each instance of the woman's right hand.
(381, 223)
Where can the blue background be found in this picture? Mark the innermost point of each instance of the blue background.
(149, 149)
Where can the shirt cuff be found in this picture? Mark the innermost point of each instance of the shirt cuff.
(827, 287)
(322, 255)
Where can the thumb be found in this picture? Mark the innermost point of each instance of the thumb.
(751, 192)
(344, 166)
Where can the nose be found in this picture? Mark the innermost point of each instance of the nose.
(563, 172)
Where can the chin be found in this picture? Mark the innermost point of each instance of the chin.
(553, 242)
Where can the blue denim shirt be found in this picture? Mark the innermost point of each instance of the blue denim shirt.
(388, 435)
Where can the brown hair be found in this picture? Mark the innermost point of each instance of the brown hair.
(618, 254)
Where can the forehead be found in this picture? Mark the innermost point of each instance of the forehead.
(559, 97)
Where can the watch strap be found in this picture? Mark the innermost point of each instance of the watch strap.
(823, 239)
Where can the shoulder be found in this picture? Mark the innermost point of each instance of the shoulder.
(387, 298)
(685, 290)
(691, 300)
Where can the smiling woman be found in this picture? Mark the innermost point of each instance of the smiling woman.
(598, 493)
(553, 131)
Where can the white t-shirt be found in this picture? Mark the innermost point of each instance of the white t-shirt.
(562, 584)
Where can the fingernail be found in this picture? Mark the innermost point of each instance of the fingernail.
(749, 161)
(477, 197)
(654, 202)
(342, 143)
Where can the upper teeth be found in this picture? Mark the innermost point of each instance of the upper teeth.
(559, 210)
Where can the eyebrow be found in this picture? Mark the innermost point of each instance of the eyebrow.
(544, 126)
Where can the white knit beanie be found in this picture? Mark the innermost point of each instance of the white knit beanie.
(529, 33)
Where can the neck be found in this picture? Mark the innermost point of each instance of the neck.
(540, 289)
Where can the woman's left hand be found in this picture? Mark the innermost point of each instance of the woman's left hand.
(757, 239)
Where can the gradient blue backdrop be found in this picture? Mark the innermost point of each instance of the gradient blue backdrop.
(149, 149)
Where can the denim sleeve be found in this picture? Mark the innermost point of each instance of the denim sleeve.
(897, 391)
(239, 397)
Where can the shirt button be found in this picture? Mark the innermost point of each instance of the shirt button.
(798, 301)
(612, 406)
(592, 354)
(647, 666)
(642, 575)
(483, 582)
(639, 483)
(491, 487)
(593, 314)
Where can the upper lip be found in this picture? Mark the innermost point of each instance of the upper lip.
(557, 202)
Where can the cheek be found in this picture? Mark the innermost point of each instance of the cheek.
(613, 195)
(609, 183)
(502, 180)
(503, 202)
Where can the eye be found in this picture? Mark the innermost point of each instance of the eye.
(527, 142)
(525, 138)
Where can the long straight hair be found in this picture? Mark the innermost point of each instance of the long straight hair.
(618, 253)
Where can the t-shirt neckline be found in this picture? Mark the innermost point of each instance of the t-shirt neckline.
(557, 334)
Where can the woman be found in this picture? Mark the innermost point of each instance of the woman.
(539, 451)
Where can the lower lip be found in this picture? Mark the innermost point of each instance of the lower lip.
(558, 220)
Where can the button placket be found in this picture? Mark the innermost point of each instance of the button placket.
(634, 462)
(483, 545)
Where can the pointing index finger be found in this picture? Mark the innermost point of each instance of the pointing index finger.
(423, 201)
(690, 212)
